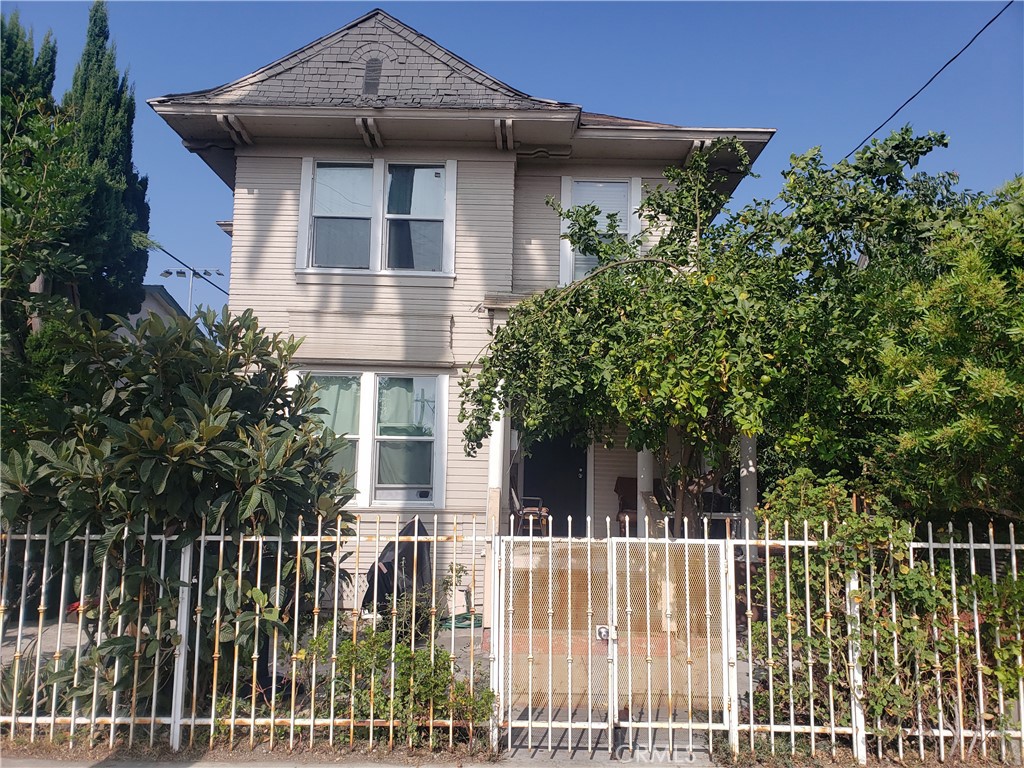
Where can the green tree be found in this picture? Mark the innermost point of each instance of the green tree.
(750, 323)
(43, 179)
(665, 343)
(947, 371)
(115, 239)
(27, 74)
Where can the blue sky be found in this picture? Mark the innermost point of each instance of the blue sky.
(820, 73)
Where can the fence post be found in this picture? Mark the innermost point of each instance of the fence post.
(856, 672)
(181, 649)
(732, 706)
(497, 641)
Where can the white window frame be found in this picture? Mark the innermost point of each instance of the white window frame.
(366, 455)
(378, 220)
(566, 257)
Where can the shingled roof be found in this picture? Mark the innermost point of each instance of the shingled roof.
(332, 72)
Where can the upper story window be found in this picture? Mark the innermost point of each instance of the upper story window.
(415, 217)
(377, 217)
(342, 215)
(618, 196)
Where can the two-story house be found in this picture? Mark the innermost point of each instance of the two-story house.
(390, 206)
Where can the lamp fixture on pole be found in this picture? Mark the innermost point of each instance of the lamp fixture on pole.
(191, 275)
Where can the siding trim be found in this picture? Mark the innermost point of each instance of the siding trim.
(450, 192)
(564, 246)
(305, 214)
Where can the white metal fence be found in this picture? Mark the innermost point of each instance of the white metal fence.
(316, 637)
(784, 641)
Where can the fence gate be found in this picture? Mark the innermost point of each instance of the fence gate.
(615, 644)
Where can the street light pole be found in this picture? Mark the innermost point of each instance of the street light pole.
(191, 273)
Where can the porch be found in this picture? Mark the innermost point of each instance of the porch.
(597, 491)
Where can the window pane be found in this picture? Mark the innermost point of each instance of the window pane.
(343, 190)
(345, 461)
(583, 265)
(609, 196)
(340, 396)
(341, 243)
(406, 405)
(404, 462)
(415, 244)
(416, 191)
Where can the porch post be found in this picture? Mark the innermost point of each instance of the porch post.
(644, 487)
(497, 469)
(497, 474)
(748, 481)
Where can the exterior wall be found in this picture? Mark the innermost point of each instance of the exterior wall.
(536, 232)
(432, 324)
(507, 239)
(537, 228)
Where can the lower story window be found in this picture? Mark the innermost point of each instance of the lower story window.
(339, 396)
(394, 430)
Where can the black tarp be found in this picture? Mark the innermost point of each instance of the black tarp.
(411, 557)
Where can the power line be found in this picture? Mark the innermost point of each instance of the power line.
(930, 79)
(194, 271)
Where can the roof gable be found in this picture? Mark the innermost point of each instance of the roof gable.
(332, 72)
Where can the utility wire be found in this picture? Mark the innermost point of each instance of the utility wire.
(194, 271)
(930, 79)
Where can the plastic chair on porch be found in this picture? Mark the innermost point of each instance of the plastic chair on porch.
(530, 513)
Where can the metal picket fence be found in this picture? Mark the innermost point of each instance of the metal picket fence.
(774, 640)
(297, 640)
(669, 646)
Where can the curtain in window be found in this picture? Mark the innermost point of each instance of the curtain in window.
(405, 462)
(405, 410)
(405, 406)
(339, 395)
(400, 251)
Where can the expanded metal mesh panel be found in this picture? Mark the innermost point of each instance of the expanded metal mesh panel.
(643, 620)
(669, 615)
(556, 595)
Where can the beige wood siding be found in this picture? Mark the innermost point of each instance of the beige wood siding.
(536, 234)
(537, 229)
(609, 465)
(266, 214)
(263, 275)
(380, 321)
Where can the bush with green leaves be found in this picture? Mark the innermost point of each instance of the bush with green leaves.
(172, 428)
(937, 634)
(181, 422)
(378, 675)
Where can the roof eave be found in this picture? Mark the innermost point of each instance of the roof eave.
(632, 133)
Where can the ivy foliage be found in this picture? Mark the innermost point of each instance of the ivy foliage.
(179, 423)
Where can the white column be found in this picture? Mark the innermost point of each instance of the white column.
(497, 473)
(497, 468)
(748, 481)
(644, 487)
